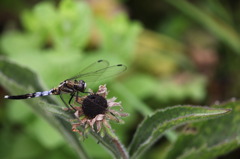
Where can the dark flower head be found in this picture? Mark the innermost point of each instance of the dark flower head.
(96, 111)
(94, 105)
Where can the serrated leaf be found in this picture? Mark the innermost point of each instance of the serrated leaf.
(74, 25)
(153, 127)
(211, 138)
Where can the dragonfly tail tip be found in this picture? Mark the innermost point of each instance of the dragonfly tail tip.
(6, 96)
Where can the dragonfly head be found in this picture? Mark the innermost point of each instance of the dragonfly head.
(80, 86)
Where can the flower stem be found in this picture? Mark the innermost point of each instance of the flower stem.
(112, 143)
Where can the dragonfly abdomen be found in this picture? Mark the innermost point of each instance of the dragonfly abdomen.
(30, 95)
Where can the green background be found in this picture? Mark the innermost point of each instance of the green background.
(177, 53)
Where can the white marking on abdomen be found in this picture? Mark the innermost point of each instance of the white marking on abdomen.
(6, 96)
(37, 94)
(46, 93)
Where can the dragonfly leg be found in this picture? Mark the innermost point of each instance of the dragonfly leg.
(77, 97)
(69, 102)
(65, 102)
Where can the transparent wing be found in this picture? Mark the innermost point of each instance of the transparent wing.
(98, 71)
(102, 74)
(98, 65)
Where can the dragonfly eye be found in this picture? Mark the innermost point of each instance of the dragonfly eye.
(82, 85)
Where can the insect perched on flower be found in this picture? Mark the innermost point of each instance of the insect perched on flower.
(96, 111)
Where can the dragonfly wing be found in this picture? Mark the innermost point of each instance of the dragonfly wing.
(103, 74)
(98, 71)
(112, 71)
(98, 65)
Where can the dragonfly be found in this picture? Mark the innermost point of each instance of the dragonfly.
(97, 71)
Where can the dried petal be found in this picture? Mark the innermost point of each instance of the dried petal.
(102, 90)
(99, 117)
(99, 126)
(118, 113)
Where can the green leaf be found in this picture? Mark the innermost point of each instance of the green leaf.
(153, 127)
(66, 27)
(21, 43)
(37, 22)
(73, 29)
(118, 30)
(212, 138)
(205, 152)
(113, 144)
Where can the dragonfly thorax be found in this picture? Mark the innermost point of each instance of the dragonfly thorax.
(70, 86)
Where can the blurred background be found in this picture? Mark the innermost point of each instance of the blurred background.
(177, 53)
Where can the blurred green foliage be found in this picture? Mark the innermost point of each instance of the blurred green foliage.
(191, 56)
(148, 132)
(66, 30)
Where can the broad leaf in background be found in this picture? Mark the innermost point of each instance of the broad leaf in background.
(211, 138)
(66, 27)
(153, 127)
(117, 31)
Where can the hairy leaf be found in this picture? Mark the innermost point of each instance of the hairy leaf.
(153, 127)
(211, 138)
